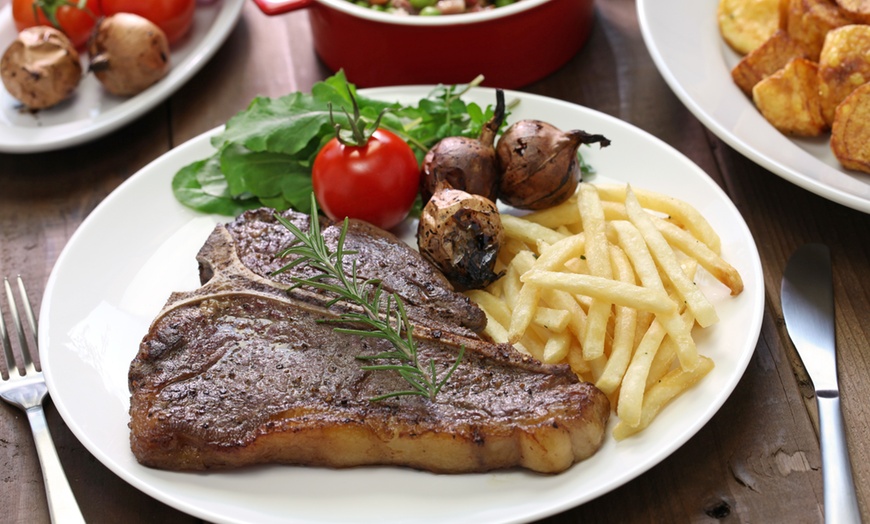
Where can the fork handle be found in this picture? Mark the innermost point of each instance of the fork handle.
(62, 505)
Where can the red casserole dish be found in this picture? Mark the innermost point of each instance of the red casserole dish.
(511, 46)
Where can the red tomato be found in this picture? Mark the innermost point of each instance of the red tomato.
(377, 182)
(174, 17)
(75, 23)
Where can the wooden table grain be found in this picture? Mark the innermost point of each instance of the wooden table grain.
(756, 461)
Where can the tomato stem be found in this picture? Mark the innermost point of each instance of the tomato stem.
(49, 9)
(356, 135)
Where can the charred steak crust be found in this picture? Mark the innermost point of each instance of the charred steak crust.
(379, 254)
(238, 373)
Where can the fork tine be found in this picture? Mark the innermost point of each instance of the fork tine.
(28, 310)
(7, 348)
(22, 337)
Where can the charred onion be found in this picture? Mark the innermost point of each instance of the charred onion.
(466, 163)
(539, 163)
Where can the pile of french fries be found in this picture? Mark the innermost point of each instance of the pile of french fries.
(604, 283)
(806, 66)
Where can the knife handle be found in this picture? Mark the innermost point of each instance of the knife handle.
(841, 504)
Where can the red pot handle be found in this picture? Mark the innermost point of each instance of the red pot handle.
(276, 7)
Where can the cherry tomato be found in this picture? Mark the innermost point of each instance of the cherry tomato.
(174, 17)
(377, 182)
(75, 23)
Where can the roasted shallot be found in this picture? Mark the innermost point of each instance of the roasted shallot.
(539, 163)
(466, 163)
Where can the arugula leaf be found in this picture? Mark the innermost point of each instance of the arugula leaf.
(202, 186)
(265, 153)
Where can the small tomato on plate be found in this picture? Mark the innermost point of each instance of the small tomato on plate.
(174, 17)
(74, 21)
(377, 181)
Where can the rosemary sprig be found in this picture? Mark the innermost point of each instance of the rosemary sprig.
(383, 314)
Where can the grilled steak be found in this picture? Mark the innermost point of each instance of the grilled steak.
(239, 372)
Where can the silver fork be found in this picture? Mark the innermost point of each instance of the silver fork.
(27, 391)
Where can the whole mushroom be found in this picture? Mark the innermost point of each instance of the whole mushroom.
(461, 234)
(128, 53)
(41, 67)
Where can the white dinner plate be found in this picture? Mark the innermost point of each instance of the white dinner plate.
(91, 112)
(139, 245)
(686, 46)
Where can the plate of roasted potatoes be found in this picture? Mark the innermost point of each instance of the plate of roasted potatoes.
(781, 81)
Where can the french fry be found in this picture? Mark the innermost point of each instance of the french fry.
(697, 303)
(510, 282)
(624, 326)
(598, 260)
(555, 320)
(527, 300)
(559, 299)
(534, 341)
(491, 304)
(669, 387)
(712, 262)
(553, 217)
(578, 364)
(685, 215)
(556, 347)
(635, 246)
(528, 232)
(634, 255)
(634, 381)
(608, 290)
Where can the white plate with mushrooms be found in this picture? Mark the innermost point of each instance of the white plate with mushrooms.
(91, 112)
(101, 298)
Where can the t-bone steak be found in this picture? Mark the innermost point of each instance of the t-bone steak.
(240, 372)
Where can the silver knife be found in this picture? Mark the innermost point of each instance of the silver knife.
(808, 308)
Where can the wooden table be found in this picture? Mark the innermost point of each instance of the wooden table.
(757, 460)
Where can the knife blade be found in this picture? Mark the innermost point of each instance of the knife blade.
(808, 309)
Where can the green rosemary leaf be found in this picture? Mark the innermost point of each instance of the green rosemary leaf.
(382, 315)
(398, 394)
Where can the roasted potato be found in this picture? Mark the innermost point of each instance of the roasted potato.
(850, 134)
(844, 65)
(808, 22)
(746, 24)
(857, 10)
(770, 57)
(789, 99)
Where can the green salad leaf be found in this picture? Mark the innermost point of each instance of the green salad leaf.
(263, 157)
